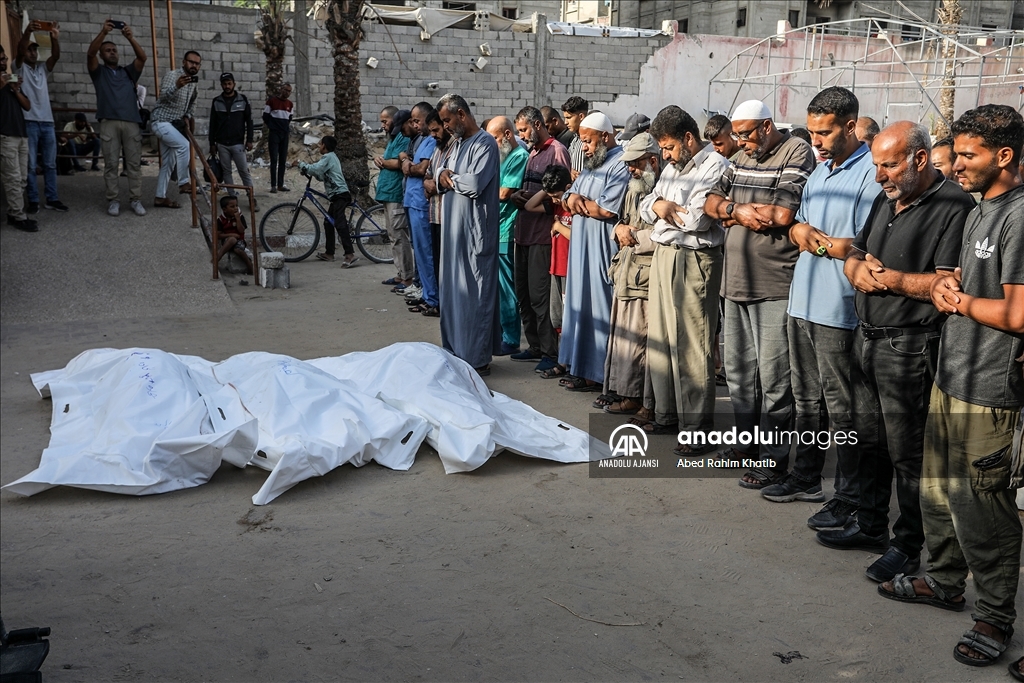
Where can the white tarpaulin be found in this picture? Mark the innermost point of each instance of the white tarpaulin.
(142, 421)
(434, 20)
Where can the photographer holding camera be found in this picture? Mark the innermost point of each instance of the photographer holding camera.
(118, 112)
(171, 116)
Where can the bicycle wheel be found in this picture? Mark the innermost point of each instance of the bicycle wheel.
(373, 238)
(297, 238)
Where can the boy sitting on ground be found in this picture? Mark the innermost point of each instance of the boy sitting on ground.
(231, 229)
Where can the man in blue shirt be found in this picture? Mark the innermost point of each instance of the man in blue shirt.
(835, 205)
(417, 208)
(390, 193)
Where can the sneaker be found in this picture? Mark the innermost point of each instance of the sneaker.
(26, 225)
(55, 206)
(527, 355)
(284, 188)
(138, 208)
(790, 489)
(852, 538)
(545, 365)
(835, 514)
(893, 562)
(33, 207)
(413, 292)
(114, 208)
(273, 190)
(508, 349)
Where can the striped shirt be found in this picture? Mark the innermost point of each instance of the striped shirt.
(577, 154)
(759, 265)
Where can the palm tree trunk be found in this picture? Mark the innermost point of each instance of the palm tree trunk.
(949, 14)
(343, 24)
(275, 34)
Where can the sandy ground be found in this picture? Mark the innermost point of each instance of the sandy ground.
(377, 575)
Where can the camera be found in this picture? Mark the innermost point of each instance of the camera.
(194, 79)
(117, 24)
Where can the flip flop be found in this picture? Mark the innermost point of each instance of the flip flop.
(323, 256)
(167, 203)
(350, 263)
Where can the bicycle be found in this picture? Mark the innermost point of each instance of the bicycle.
(294, 230)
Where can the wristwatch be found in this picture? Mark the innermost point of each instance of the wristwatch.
(729, 207)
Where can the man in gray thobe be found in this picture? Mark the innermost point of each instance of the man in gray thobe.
(468, 287)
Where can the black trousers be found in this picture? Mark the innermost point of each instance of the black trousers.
(278, 146)
(339, 203)
(533, 290)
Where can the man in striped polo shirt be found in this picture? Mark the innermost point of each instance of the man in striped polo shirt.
(757, 199)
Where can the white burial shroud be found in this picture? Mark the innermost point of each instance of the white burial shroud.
(142, 421)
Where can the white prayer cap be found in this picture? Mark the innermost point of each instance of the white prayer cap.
(598, 121)
(751, 110)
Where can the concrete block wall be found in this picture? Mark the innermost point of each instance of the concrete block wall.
(599, 69)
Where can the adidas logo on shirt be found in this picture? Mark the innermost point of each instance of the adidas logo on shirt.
(982, 250)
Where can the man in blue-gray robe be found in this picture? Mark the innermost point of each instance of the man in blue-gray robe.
(468, 287)
(595, 199)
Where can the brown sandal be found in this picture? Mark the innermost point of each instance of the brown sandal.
(166, 203)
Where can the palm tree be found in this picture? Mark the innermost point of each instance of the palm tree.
(949, 15)
(343, 23)
(274, 34)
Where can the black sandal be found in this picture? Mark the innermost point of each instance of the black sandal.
(762, 478)
(988, 646)
(604, 400)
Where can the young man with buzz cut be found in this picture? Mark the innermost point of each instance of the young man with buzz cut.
(834, 208)
(968, 484)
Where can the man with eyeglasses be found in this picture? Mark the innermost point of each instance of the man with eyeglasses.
(171, 117)
(757, 199)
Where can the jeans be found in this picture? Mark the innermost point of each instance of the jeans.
(174, 150)
(822, 396)
(892, 380)
(83, 150)
(236, 154)
(757, 354)
(43, 141)
(423, 253)
(278, 146)
(339, 203)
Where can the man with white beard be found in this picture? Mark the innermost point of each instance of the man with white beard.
(513, 165)
(626, 380)
(595, 200)
(686, 274)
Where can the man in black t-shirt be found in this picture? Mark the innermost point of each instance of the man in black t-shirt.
(912, 236)
(970, 517)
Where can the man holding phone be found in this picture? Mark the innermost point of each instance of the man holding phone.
(42, 139)
(171, 117)
(118, 113)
